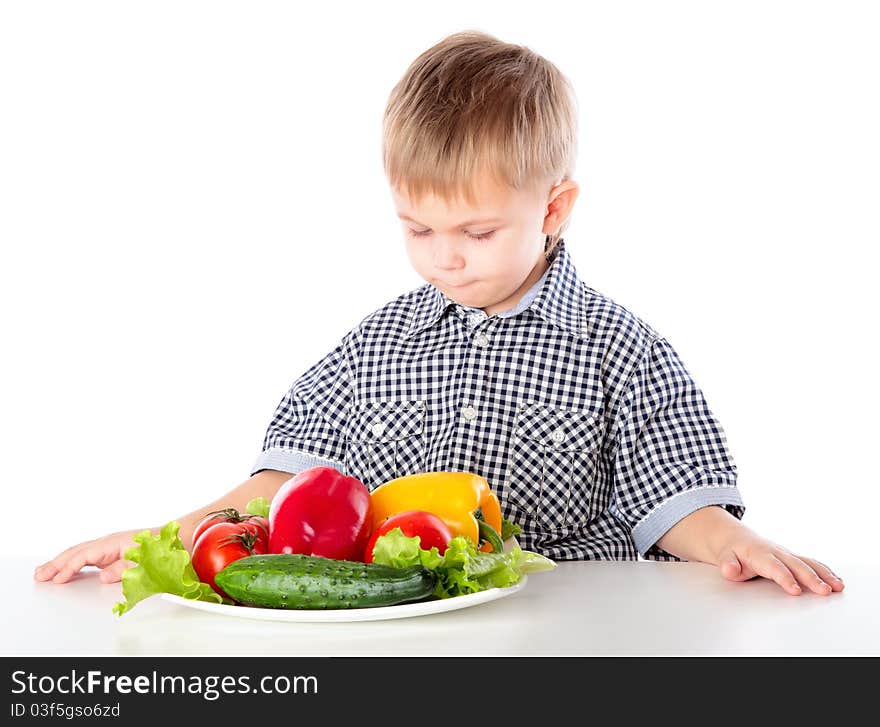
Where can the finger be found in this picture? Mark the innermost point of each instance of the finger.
(113, 572)
(47, 570)
(732, 568)
(86, 556)
(805, 574)
(835, 580)
(769, 566)
(825, 573)
(44, 572)
(51, 568)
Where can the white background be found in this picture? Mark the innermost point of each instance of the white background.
(193, 211)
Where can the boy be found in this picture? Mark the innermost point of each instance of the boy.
(581, 416)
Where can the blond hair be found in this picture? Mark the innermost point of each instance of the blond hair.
(471, 103)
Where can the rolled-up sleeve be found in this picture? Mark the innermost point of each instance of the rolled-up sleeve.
(671, 455)
(308, 427)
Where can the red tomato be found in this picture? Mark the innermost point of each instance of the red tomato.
(225, 542)
(431, 530)
(227, 515)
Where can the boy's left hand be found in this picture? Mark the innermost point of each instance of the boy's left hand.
(746, 555)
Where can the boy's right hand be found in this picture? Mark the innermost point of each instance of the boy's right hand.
(108, 553)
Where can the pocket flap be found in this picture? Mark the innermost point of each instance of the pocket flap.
(386, 421)
(560, 429)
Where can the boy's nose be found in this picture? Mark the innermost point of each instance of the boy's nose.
(447, 256)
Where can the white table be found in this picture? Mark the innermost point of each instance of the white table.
(580, 608)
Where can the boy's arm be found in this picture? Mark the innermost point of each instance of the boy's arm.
(108, 552)
(712, 535)
(263, 484)
(668, 436)
(700, 535)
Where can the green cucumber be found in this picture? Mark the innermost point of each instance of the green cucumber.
(291, 580)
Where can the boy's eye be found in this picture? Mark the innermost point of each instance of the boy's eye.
(479, 236)
(482, 235)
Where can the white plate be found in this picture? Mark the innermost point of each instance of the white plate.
(404, 610)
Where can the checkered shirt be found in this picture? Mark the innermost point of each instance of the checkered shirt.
(582, 418)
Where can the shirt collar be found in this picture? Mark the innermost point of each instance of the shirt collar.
(557, 298)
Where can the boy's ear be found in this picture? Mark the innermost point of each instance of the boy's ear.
(559, 205)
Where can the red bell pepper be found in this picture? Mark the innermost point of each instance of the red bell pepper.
(322, 512)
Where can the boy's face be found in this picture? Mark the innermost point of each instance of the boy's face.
(485, 256)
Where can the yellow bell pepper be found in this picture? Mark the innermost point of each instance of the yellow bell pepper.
(454, 497)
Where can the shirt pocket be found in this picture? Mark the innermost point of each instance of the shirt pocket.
(385, 440)
(553, 464)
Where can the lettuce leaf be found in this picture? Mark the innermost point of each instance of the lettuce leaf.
(509, 529)
(397, 550)
(258, 506)
(462, 568)
(162, 566)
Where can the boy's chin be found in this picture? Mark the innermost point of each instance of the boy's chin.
(465, 298)
(470, 295)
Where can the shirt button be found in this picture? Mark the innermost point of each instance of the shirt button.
(481, 340)
(469, 413)
(558, 436)
(378, 429)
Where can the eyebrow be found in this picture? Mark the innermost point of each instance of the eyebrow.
(463, 224)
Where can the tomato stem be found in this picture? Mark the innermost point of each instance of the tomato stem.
(232, 515)
(247, 539)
